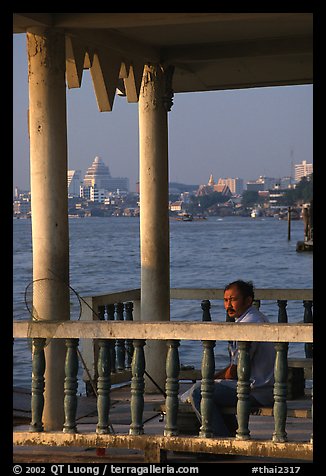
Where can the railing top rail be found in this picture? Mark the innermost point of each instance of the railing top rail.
(202, 293)
(263, 294)
(113, 297)
(165, 330)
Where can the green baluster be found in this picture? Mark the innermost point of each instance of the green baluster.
(70, 386)
(120, 344)
(207, 388)
(129, 347)
(307, 317)
(243, 391)
(110, 312)
(101, 313)
(103, 386)
(38, 369)
(256, 303)
(206, 305)
(280, 391)
(282, 314)
(137, 388)
(312, 398)
(172, 388)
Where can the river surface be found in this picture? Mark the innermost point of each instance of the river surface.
(105, 257)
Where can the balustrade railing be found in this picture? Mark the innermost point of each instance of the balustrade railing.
(120, 341)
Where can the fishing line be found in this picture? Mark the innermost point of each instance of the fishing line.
(37, 288)
(33, 297)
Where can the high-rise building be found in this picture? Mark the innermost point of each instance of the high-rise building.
(73, 182)
(98, 174)
(302, 170)
(235, 184)
(98, 177)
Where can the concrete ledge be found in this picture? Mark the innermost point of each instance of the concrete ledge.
(165, 330)
(154, 445)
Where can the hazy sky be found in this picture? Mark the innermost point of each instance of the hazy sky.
(236, 133)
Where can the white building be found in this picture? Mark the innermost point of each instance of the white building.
(302, 170)
(73, 182)
(235, 184)
(99, 174)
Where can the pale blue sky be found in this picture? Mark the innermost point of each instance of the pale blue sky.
(236, 133)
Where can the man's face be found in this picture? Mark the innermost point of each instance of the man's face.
(234, 303)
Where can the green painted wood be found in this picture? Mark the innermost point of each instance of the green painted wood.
(103, 386)
(206, 305)
(243, 391)
(128, 343)
(172, 388)
(38, 369)
(110, 314)
(312, 399)
(256, 303)
(137, 388)
(101, 313)
(280, 392)
(282, 313)
(308, 318)
(70, 386)
(120, 343)
(207, 388)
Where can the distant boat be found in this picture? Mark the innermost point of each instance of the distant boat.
(256, 213)
(187, 217)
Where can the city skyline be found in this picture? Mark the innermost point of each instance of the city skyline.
(235, 133)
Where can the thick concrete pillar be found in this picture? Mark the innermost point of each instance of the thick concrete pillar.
(154, 218)
(50, 236)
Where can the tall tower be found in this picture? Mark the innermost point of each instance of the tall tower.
(98, 173)
(211, 182)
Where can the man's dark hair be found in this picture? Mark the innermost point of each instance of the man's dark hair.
(246, 288)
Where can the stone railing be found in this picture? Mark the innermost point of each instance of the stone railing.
(97, 325)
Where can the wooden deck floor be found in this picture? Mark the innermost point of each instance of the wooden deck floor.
(261, 427)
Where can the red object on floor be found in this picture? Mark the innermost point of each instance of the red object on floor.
(100, 451)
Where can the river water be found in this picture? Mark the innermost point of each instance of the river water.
(104, 257)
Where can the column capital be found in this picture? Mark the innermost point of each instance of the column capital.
(158, 79)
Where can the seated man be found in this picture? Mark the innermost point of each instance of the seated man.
(238, 300)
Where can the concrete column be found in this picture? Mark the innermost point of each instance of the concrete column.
(49, 202)
(154, 218)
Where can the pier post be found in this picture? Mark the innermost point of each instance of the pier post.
(154, 102)
(49, 200)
